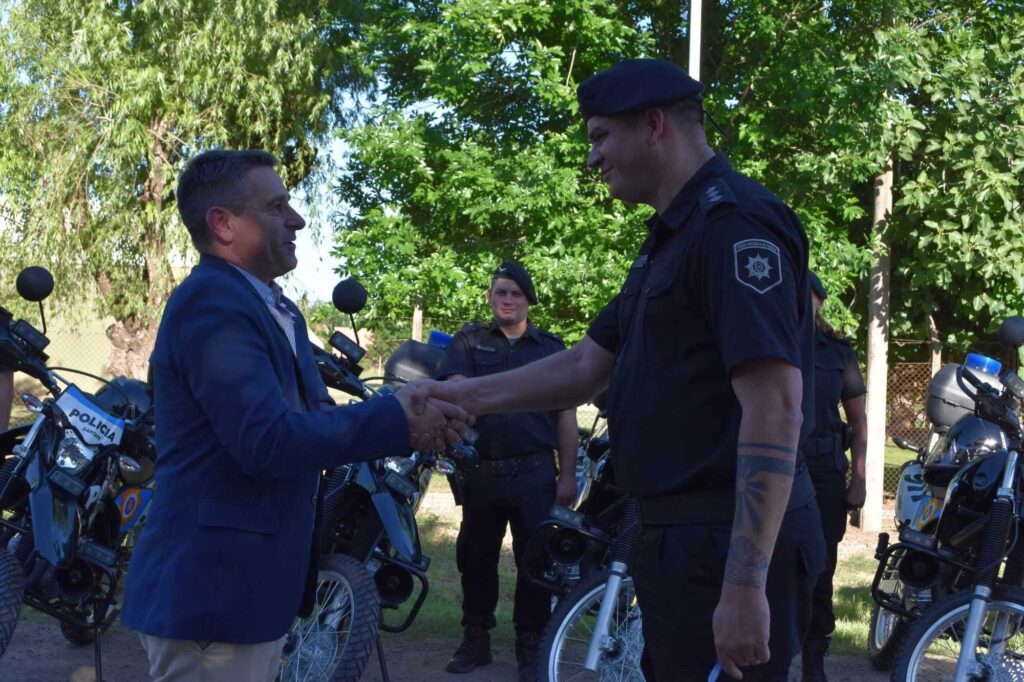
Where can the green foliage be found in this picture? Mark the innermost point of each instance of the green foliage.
(101, 103)
(474, 153)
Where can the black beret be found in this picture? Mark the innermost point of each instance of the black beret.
(817, 287)
(518, 274)
(635, 85)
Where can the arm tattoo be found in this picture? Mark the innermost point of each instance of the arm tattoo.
(751, 492)
(747, 565)
(767, 446)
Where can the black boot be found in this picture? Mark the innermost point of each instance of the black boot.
(813, 660)
(527, 644)
(474, 651)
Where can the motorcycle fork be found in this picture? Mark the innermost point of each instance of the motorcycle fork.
(988, 563)
(600, 641)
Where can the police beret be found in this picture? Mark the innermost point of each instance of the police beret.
(817, 287)
(518, 274)
(635, 85)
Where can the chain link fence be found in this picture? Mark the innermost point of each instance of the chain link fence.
(906, 390)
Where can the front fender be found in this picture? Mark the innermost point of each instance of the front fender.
(399, 524)
(54, 520)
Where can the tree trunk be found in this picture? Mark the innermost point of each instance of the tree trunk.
(132, 338)
(935, 344)
(131, 344)
(878, 352)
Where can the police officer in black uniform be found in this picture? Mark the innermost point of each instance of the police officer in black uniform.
(516, 482)
(707, 352)
(837, 378)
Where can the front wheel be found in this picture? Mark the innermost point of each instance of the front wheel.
(566, 639)
(932, 644)
(12, 588)
(885, 635)
(336, 640)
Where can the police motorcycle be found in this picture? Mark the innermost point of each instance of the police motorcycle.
(573, 541)
(904, 583)
(973, 632)
(582, 555)
(371, 560)
(75, 487)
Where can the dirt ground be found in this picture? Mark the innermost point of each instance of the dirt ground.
(38, 652)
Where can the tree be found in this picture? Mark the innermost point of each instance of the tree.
(102, 102)
(474, 153)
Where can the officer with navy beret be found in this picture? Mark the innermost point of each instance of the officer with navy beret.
(837, 379)
(707, 354)
(517, 482)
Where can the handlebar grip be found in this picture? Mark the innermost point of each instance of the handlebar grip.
(972, 380)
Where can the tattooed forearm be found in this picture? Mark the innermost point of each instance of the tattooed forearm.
(765, 446)
(747, 565)
(752, 490)
(748, 465)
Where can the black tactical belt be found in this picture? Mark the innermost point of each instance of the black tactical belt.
(688, 506)
(826, 445)
(513, 465)
(702, 506)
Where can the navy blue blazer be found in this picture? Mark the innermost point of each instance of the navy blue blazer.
(243, 429)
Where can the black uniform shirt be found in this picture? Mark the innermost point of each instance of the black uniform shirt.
(480, 349)
(720, 280)
(837, 377)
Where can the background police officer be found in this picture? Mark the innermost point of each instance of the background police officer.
(516, 482)
(837, 378)
(707, 353)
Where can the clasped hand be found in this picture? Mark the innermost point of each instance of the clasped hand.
(434, 424)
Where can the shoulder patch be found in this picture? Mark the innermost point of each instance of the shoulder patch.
(716, 194)
(757, 264)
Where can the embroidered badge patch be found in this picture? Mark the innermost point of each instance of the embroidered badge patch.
(757, 264)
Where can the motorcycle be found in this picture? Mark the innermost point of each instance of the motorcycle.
(974, 632)
(75, 487)
(582, 555)
(908, 580)
(371, 558)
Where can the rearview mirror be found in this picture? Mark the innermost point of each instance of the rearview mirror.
(1011, 332)
(34, 283)
(349, 296)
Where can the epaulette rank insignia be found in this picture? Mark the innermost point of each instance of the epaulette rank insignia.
(714, 195)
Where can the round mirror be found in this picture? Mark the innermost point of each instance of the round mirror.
(34, 283)
(349, 296)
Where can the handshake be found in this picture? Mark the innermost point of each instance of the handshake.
(436, 412)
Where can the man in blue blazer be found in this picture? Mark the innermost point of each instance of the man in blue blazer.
(244, 426)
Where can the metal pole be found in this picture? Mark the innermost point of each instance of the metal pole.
(695, 39)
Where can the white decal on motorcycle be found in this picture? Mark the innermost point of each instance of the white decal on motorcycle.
(92, 424)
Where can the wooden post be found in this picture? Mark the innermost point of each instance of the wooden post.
(878, 352)
(417, 322)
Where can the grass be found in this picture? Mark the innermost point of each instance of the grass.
(852, 604)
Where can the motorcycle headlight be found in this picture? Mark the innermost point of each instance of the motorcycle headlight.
(72, 453)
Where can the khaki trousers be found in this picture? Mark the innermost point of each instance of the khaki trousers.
(183, 660)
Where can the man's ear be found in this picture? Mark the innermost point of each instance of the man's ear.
(656, 121)
(218, 221)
